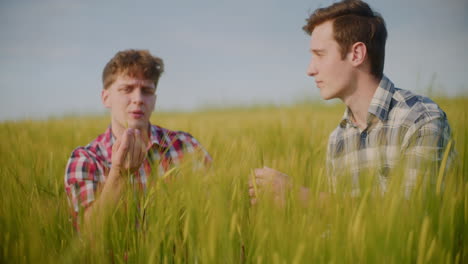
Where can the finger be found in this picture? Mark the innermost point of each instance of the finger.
(250, 184)
(142, 147)
(258, 182)
(262, 182)
(138, 148)
(131, 146)
(252, 192)
(256, 190)
(116, 145)
(253, 201)
(123, 148)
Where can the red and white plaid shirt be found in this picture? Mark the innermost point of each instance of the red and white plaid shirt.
(88, 166)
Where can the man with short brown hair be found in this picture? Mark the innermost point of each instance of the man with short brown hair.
(130, 144)
(383, 127)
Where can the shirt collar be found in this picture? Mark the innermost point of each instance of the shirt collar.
(379, 106)
(106, 141)
(346, 119)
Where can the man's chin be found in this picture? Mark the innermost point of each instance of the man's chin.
(327, 96)
(138, 124)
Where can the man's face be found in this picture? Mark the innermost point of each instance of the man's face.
(332, 74)
(131, 101)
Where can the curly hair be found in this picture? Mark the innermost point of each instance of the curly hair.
(354, 21)
(134, 63)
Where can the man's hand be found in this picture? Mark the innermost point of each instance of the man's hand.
(128, 151)
(267, 179)
(128, 154)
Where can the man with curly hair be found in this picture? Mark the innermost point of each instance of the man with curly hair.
(96, 174)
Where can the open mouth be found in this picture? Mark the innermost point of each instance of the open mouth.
(137, 114)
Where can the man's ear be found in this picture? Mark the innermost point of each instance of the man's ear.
(358, 53)
(105, 98)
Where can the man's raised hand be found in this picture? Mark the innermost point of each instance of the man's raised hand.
(270, 180)
(128, 151)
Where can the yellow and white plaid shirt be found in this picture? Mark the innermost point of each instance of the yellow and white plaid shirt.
(401, 128)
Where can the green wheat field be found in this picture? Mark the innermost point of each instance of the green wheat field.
(205, 216)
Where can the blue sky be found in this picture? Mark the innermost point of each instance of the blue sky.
(218, 53)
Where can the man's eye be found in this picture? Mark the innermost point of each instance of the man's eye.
(125, 89)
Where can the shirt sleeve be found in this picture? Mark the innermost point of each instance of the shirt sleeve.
(192, 145)
(425, 150)
(80, 183)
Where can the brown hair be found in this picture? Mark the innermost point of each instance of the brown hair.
(354, 21)
(135, 63)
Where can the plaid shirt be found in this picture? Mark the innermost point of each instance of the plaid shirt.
(88, 166)
(400, 125)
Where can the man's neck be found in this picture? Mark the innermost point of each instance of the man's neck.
(359, 100)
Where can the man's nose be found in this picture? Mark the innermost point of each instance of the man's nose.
(312, 69)
(137, 96)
